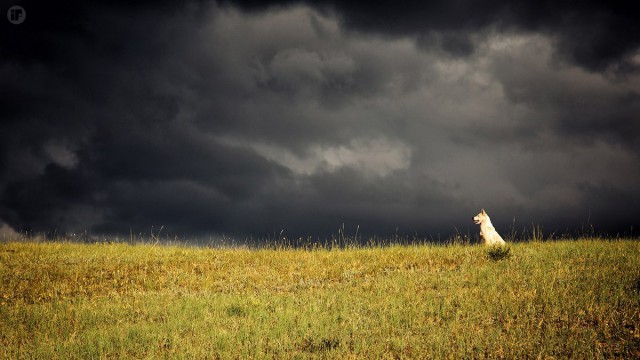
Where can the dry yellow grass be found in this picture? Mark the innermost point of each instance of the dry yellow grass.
(544, 300)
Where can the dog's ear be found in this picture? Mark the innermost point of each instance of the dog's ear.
(484, 212)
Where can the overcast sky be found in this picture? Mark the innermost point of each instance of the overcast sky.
(248, 118)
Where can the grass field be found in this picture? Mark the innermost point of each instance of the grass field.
(577, 299)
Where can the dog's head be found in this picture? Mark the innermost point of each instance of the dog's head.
(480, 218)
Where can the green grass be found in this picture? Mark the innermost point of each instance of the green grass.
(578, 299)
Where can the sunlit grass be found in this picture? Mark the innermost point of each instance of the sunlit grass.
(560, 299)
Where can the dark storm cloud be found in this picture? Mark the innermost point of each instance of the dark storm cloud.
(577, 106)
(594, 34)
(208, 119)
(88, 105)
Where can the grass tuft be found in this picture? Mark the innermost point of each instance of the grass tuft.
(498, 252)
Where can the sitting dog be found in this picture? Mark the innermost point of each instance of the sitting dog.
(487, 231)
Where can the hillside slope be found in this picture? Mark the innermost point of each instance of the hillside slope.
(544, 299)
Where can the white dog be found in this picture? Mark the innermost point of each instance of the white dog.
(487, 231)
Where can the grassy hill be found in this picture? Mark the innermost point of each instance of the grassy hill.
(577, 299)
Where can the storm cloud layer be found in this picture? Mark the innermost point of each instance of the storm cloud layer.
(251, 118)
